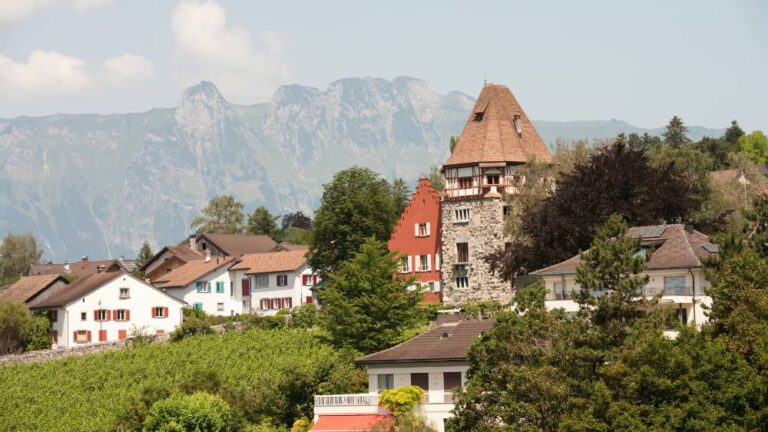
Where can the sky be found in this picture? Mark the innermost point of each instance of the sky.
(642, 62)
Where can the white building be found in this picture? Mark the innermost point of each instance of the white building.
(674, 269)
(204, 285)
(272, 281)
(107, 307)
(436, 361)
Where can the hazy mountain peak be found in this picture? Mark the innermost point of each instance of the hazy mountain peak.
(202, 107)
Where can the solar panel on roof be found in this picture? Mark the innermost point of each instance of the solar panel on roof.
(711, 247)
(650, 231)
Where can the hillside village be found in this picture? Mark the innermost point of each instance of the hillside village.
(456, 254)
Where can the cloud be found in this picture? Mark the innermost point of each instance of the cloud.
(44, 73)
(127, 68)
(209, 49)
(18, 10)
(49, 74)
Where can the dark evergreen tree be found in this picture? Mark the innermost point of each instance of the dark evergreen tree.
(401, 194)
(733, 133)
(296, 220)
(676, 133)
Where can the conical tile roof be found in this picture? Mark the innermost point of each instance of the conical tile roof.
(490, 134)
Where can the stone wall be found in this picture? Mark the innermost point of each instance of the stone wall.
(484, 233)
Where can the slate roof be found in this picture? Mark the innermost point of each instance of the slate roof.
(28, 287)
(272, 262)
(77, 289)
(192, 271)
(494, 138)
(449, 342)
(81, 268)
(673, 247)
(236, 245)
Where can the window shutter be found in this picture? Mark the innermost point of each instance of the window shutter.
(290, 302)
(88, 335)
(74, 336)
(114, 314)
(416, 229)
(429, 231)
(127, 314)
(314, 279)
(165, 312)
(109, 315)
(271, 303)
(309, 300)
(429, 262)
(208, 286)
(153, 312)
(96, 315)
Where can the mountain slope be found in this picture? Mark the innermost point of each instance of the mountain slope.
(99, 185)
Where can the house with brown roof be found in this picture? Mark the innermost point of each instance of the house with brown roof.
(84, 267)
(168, 259)
(484, 168)
(436, 361)
(269, 282)
(31, 290)
(234, 245)
(108, 306)
(204, 284)
(676, 256)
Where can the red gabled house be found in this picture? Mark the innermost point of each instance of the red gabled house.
(417, 239)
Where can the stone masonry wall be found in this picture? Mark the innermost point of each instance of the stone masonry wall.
(484, 233)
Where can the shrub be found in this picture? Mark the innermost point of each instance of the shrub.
(196, 412)
(402, 400)
(196, 322)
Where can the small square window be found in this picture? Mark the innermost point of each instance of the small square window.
(198, 306)
(282, 280)
(462, 282)
(386, 381)
(405, 264)
(125, 293)
(461, 215)
(83, 316)
(220, 307)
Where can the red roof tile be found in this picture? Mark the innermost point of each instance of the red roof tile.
(271, 262)
(192, 271)
(28, 287)
(490, 134)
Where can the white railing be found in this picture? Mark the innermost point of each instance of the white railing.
(360, 399)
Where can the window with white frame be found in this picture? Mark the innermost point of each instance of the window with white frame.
(462, 252)
(282, 280)
(422, 229)
(462, 282)
(125, 293)
(220, 307)
(385, 382)
(461, 215)
(261, 281)
(405, 264)
(559, 290)
(158, 312)
(203, 286)
(423, 263)
(81, 336)
(465, 182)
(121, 315)
(102, 315)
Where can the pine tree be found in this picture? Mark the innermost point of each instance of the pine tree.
(261, 222)
(145, 254)
(733, 133)
(675, 135)
(435, 178)
(453, 142)
(364, 307)
(401, 194)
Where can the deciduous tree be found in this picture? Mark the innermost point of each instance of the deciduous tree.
(297, 220)
(222, 215)
(356, 204)
(17, 253)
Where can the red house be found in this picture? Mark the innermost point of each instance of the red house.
(417, 239)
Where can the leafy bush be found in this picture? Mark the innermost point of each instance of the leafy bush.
(39, 336)
(196, 412)
(196, 322)
(18, 329)
(402, 400)
(304, 316)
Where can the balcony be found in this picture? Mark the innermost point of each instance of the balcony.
(668, 291)
(558, 296)
(360, 399)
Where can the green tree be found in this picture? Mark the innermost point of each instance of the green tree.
(452, 144)
(364, 307)
(15, 326)
(676, 133)
(611, 267)
(356, 204)
(297, 220)
(222, 215)
(435, 178)
(262, 222)
(142, 258)
(201, 412)
(298, 236)
(756, 145)
(39, 337)
(17, 253)
(401, 195)
(733, 133)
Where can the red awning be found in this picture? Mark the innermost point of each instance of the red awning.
(352, 422)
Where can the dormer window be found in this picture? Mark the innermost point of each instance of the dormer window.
(493, 179)
(518, 125)
(479, 116)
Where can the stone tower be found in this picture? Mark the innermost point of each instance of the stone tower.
(480, 172)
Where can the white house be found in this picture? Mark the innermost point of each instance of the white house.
(436, 361)
(674, 269)
(204, 285)
(107, 307)
(272, 281)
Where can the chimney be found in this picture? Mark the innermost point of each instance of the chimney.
(193, 241)
(84, 261)
(101, 268)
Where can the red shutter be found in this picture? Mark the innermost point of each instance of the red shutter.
(55, 337)
(127, 315)
(96, 315)
(153, 312)
(165, 312)
(290, 302)
(88, 335)
(121, 334)
(102, 335)
(309, 300)
(74, 337)
(109, 315)
(271, 303)
(246, 283)
(314, 279)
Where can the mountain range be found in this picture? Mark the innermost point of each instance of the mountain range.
(99, 185)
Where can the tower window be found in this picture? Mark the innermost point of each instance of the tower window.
(461, 215)
(479, 117)
(465, 182)
(462, 252)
